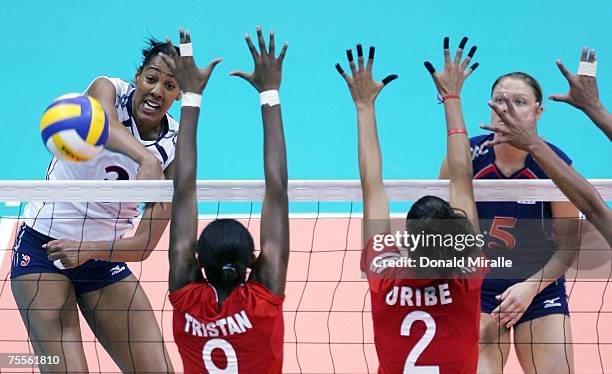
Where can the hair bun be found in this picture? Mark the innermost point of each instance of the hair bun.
(230, 273)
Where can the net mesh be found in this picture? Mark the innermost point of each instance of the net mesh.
(327, 313)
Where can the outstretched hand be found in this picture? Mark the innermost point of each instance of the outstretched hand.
(189, 77)
(268, 68)
(514, 302)
(364, 89)
(71, 253)
(455, 72)
(583, 93)
(518, 132)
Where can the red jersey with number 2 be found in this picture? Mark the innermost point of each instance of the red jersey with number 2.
(244, 336)
(421, 325)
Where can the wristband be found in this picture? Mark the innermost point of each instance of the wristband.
(456, 131)
(186, 50)
(191, 99)
(587, 68)
(442, 99)
(58, 264)
(269, 97)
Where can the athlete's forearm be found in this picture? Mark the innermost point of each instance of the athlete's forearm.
(458, 145)
(577, 189)
(134, 249)
(601, 117)
(120, 140)
(459, 161)
(186, 151)
(567, 230)
(271, 269)
(370, 158)
(183, 226)
(375, 202)
(137, 248)
(275, 154)
(554, 269)
(183, 267)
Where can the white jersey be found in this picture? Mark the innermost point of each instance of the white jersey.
(100, 221)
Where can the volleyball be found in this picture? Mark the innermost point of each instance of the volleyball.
(74, 127)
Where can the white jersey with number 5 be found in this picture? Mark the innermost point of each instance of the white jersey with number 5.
(100, 221)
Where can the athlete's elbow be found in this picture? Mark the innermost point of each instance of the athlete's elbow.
(277, 185)
(594, 208)
(600, 216)
(139, 255)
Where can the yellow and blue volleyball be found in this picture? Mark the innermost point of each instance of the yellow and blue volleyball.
(74, 127)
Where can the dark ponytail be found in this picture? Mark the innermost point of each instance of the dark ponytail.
(225, 249)
(230, 273)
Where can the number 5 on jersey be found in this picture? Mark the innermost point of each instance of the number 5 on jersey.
(497, 231)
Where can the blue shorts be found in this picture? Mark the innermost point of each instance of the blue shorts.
(551, 300)
(30, 258)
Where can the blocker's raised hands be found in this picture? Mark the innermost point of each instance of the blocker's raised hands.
(583, 93)
(268, 68)
(518, 132)
(189, 77)
(450, 80)
(364, 89)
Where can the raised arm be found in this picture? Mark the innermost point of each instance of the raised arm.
(583, 93)
(120, 140)
(184, 267)
(270, 268)
(449, 83)
(364, 91)
(522, 134)
(73, 253)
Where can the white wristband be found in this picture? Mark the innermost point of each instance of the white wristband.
(587, 68)
(191, 99)
(269, 97)
(186, 49)
(58, 264)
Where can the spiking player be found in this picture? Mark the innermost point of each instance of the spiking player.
(76, 252)
(420, 325)
(224, 323)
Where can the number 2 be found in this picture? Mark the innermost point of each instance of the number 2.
(230, 355)
(117, 173)
(413, 356)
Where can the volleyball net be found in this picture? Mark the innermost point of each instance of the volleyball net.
(327, 312)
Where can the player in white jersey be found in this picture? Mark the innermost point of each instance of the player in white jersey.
(69, 254)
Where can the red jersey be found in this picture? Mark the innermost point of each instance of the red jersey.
(245, 336)
(421, 325)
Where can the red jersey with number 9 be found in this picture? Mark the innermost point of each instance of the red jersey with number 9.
(244, 336)
(421, 325)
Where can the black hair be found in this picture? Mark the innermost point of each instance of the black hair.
(531, 81)
(153, 48)
(431, 215)
(225, 249)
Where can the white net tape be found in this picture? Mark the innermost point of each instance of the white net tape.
(299, 190)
